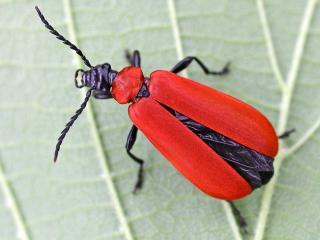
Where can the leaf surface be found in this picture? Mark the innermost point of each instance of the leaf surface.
(274, 50)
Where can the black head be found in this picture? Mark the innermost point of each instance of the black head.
(98, 79)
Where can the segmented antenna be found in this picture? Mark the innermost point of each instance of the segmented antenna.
(62, 38)
(70, 123)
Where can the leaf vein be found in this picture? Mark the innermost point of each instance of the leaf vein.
(284, 112)
(308, 134)
(270, 47)
(12, 204)
(98, 141)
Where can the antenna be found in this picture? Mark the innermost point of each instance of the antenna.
(62, 38)
(70, 123)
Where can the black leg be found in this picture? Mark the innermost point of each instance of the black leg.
(286, 134)
(184, 63)
(128, 56)
(241, 221)
(130, 142)
(134, 59)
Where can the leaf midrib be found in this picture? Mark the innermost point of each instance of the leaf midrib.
(97, 138)
(287, 91)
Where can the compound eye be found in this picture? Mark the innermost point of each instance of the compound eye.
(78, 78)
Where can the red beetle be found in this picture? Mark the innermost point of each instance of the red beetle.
(222, 145)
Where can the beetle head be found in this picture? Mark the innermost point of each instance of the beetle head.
(99, 78)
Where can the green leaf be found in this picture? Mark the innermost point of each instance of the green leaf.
(274, 49)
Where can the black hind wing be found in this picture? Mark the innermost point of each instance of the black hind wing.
(255, 167)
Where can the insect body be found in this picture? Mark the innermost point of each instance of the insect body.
(211, 138)
(222, 145)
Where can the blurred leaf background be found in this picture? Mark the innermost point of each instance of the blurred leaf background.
(274, 48)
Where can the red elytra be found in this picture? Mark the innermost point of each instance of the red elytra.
(188, 153)
(216, 110)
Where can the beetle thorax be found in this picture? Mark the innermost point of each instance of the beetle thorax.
(126, 85)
